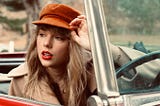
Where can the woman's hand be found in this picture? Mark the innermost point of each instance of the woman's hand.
(80, 31)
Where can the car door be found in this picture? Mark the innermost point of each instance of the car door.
(6, 100)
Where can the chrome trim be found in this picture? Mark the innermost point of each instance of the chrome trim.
(142, 99)
(94, 101)
(102, 58)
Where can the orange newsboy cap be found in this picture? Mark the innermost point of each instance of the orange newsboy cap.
(59, 15)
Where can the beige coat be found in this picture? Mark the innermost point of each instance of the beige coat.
(17, 85)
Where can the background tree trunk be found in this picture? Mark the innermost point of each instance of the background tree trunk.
(32, 8)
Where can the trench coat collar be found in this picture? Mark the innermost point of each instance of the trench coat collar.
(19, 71)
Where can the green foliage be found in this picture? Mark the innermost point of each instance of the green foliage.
(14, 24)
(13, 5)
(143, 15)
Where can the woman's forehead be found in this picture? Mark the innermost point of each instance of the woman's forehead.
(54, 30)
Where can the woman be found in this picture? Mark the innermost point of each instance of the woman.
(57, 68)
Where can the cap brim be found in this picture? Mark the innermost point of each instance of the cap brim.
(53, 21)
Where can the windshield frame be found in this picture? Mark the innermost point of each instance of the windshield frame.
(102, 58)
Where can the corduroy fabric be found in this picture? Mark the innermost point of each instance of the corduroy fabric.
(59, 15)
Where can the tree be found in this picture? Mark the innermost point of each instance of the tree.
(143, 12)
(32, 8)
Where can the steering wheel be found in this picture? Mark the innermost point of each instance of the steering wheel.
(134, 63)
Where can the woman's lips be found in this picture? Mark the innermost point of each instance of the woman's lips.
(46, 55)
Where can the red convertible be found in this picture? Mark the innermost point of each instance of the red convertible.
(114, 88)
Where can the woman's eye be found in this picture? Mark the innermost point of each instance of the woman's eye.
(59, 38)
(42, 35)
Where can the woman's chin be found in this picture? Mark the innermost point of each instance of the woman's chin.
(46, 64)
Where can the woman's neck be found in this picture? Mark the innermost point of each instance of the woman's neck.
(57, 74)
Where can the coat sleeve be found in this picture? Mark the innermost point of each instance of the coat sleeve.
(16, 87)
(148, 70)
(12, 89)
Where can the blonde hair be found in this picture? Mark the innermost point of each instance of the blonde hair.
(76, 75)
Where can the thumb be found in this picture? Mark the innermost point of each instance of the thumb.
(74, 36)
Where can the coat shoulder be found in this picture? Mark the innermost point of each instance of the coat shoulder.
(19, 71)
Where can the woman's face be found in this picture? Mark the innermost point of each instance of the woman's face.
(52, 48)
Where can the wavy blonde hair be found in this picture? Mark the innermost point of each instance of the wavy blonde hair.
(76, 75)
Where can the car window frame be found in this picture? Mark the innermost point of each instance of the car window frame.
(104, 67)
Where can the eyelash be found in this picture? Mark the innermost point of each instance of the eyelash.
(56, 37)
(42, 35)
(59, 38)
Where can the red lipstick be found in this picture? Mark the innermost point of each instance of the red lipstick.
(46, 55)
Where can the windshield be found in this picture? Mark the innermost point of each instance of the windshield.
(134, 24)
(133, 21)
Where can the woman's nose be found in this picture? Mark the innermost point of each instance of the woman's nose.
(48, 42)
